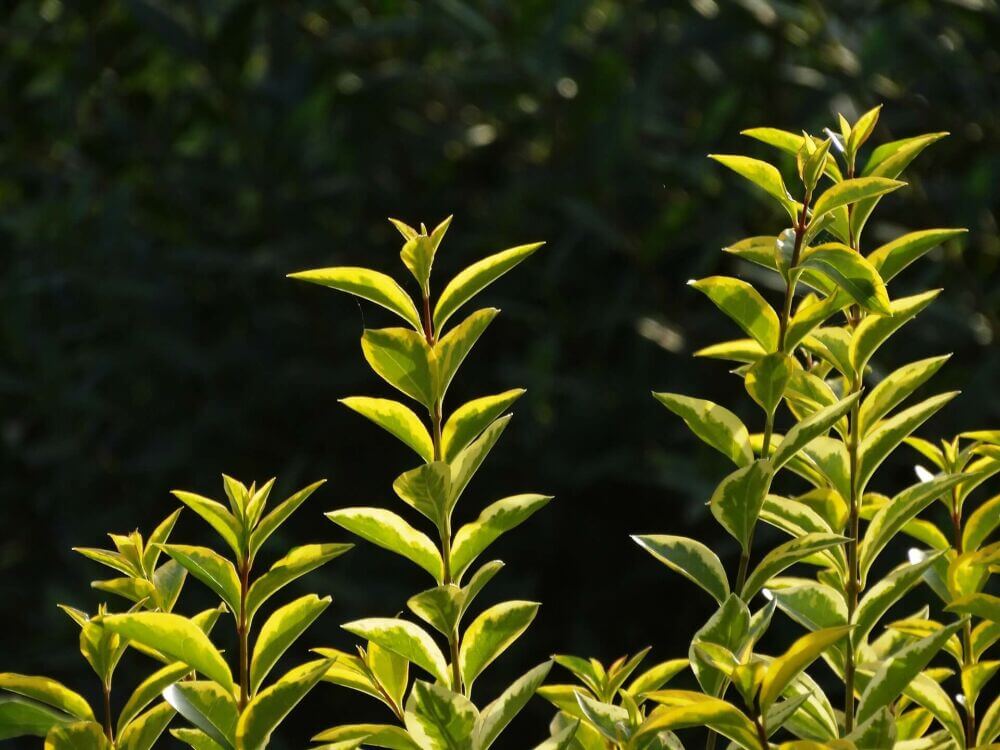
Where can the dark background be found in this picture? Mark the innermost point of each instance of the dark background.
(164, 164)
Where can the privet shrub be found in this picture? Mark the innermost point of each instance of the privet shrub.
(434, 709)
(817, 482)
(193, 678)
(829, 418)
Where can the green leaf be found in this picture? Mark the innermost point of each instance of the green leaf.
(883, 594)
(728, 627)
(496, 519)
(81, 735)
(737, 501)
(746, 351)
(811, 604)
(691, 559)
(852, 273)
(790, 143)
(810, 428)
(375, 735)
(895, 388)
(985, 606)
(873, 331)
(217, 516)
(196, 738)
(889, 433)
(989, 726)
(467, 462)
(475, 278)
(925, 692)
(745, 306)
(273, 520)
(439, 719)
(406, 639)
(370, 285)
(427, 489)
(390, 670)
(896, 673)
(49, 692)
(396, 419)
(206, 705)
(298, 562)
(894, 256)
(610, 720)
(270, 707)
(786, 555)
(150, 690)
(981, 523)
(210, 568)
(390, 531)
(851, 191)
(280, 631)
(468, 421)
(497, 715)
(490, 634)
(419, 251)
(689, 709)
(143, 733)
(895, 514)
(767, 378)
(451, 350)
(763, 175)
(656, 677)
(20, 717)
(175, 637)
(402, 358)
(110, 559)
(783, 669)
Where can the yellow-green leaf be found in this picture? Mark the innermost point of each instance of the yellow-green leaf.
(370, 285)
(397, 420)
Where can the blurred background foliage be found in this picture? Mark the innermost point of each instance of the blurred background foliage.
(164, 164)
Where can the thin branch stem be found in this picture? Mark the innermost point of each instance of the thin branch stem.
(108, 728)
(243, 631)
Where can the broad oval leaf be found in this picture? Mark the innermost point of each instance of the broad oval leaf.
(490, 634)
(783, 669)
(403, 359)
(785, 555)
(737, 501)
(371, 285)
(270, 707)
(714, 424)
(851, 272)
(469, 420)
(691, 559)
(208, 706)
(745, 306)
(406, 639)
(397, 420)
(496, 519)
(851, 191)
(439, 719)
(47, 691)
(299, 561)
(175, 637)
(390, 531)
(210, 568)
(279, 632)
(472, 280)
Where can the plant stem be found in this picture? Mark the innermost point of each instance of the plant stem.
(968, 658)
(853, 584)
(108, 730)
(437, 418)
(854, 317)
(243, 630)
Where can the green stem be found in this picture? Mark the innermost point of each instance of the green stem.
(243, 631)
(968, 658)
(108, 730)
(853, 588)
(853, 583)
(437, 418)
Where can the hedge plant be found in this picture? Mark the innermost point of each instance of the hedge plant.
(829, 415)
(866, 670)
(192, 677)
(434, 708)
